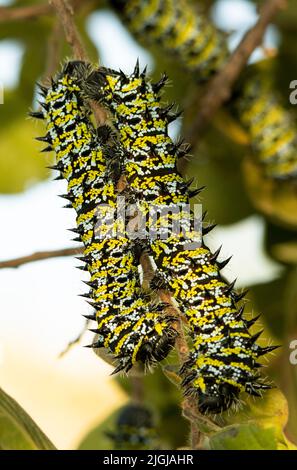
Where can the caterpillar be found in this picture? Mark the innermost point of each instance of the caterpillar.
(179, 29)
(223, 358)
(134, 429)
(203, 50)
(270, 126)
(128, 324)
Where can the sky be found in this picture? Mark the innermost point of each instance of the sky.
(40, 307)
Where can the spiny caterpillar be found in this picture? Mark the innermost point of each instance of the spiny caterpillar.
(129, 325)
(176, 27)
(270, 126)
(223, 358)
(134, 430)
(179, 29)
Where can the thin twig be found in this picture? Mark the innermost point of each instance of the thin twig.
(220, 88)
(30, 12)
(76, 340)
(148, 270)
(189, 405)
(24, 13)
(38, 256)
(65, 14)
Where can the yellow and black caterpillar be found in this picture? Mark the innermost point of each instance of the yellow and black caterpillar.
(179, 29)
(129, 325)
(270, 126)
(202, 49)
(223, 358)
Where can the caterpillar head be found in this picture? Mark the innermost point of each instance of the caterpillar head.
(78, 69)
(152, 350)
(97, 84)
(156, 351)
(217, 398)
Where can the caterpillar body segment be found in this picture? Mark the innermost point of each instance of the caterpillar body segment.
(270, 126)
(179, 29)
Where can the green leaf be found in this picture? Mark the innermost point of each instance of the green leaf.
(244, 437)
(259, 426)
(17, 430)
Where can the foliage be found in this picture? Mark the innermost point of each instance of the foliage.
(17, 430)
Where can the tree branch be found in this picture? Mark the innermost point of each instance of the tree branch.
(40, 255)
(220, 87)
(30, 12)
(65, 14)
(189, 404)
(24, 13)
(76, 340)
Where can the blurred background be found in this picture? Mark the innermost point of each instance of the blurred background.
(41, 311)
